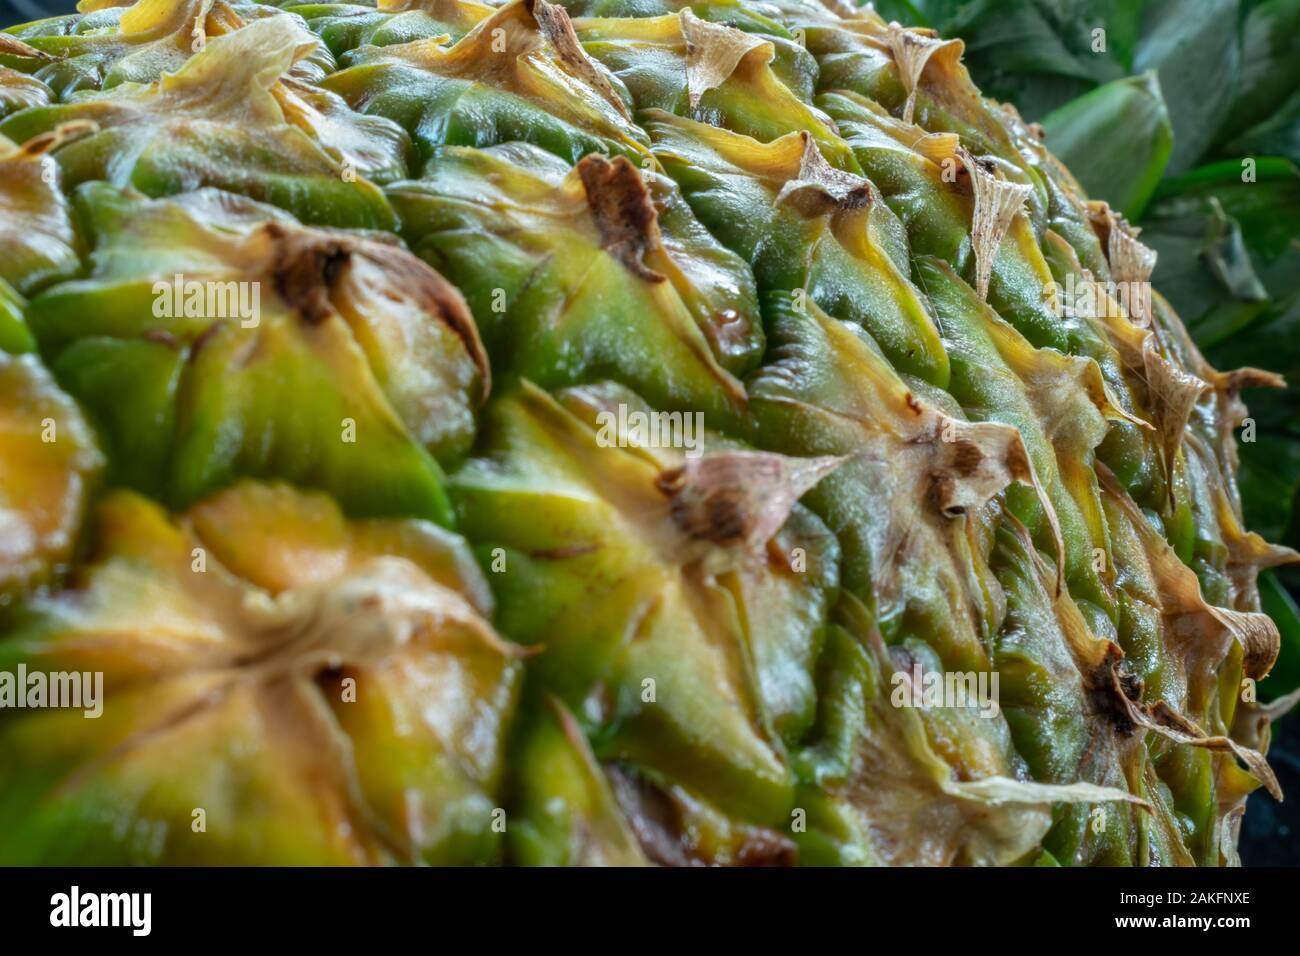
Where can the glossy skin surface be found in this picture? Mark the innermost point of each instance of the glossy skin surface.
(637, 398)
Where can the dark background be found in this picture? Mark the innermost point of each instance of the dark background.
(1270, 834)
(20, 11)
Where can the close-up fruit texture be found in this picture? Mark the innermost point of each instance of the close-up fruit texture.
(618, 432)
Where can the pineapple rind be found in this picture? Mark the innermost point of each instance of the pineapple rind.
(796, 221)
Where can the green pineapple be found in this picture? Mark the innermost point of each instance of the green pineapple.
(580, 434)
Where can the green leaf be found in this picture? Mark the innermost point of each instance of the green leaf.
(1192, 45)
(1271, 339)
(1121, 19)
(1262, 197)
(937, 12)
(1281, 607)
(1270, 66)
(1224, 321)
(1268, 479)
(1039, 54)
(1221, 242)
(1015, 37)
(1278, 135)
(1129, 120)
(1029, 52)
(903, 11)
(1226, 255)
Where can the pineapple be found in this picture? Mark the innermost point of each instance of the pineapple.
(579, 434)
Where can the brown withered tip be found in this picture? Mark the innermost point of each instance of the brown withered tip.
(44, 143)
(720, 514)
(624, 214)
(554, 23)
(1113, 692)
(739, 499)
(12, 46)
(962, 463)
(819, 187)
(307, 266)
(656, 817)
(1232, 382)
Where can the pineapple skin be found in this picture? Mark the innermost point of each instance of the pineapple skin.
(584, 434)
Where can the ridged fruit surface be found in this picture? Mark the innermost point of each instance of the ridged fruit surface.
(587, 433)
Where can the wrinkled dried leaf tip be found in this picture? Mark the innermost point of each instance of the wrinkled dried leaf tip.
(740, 499)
